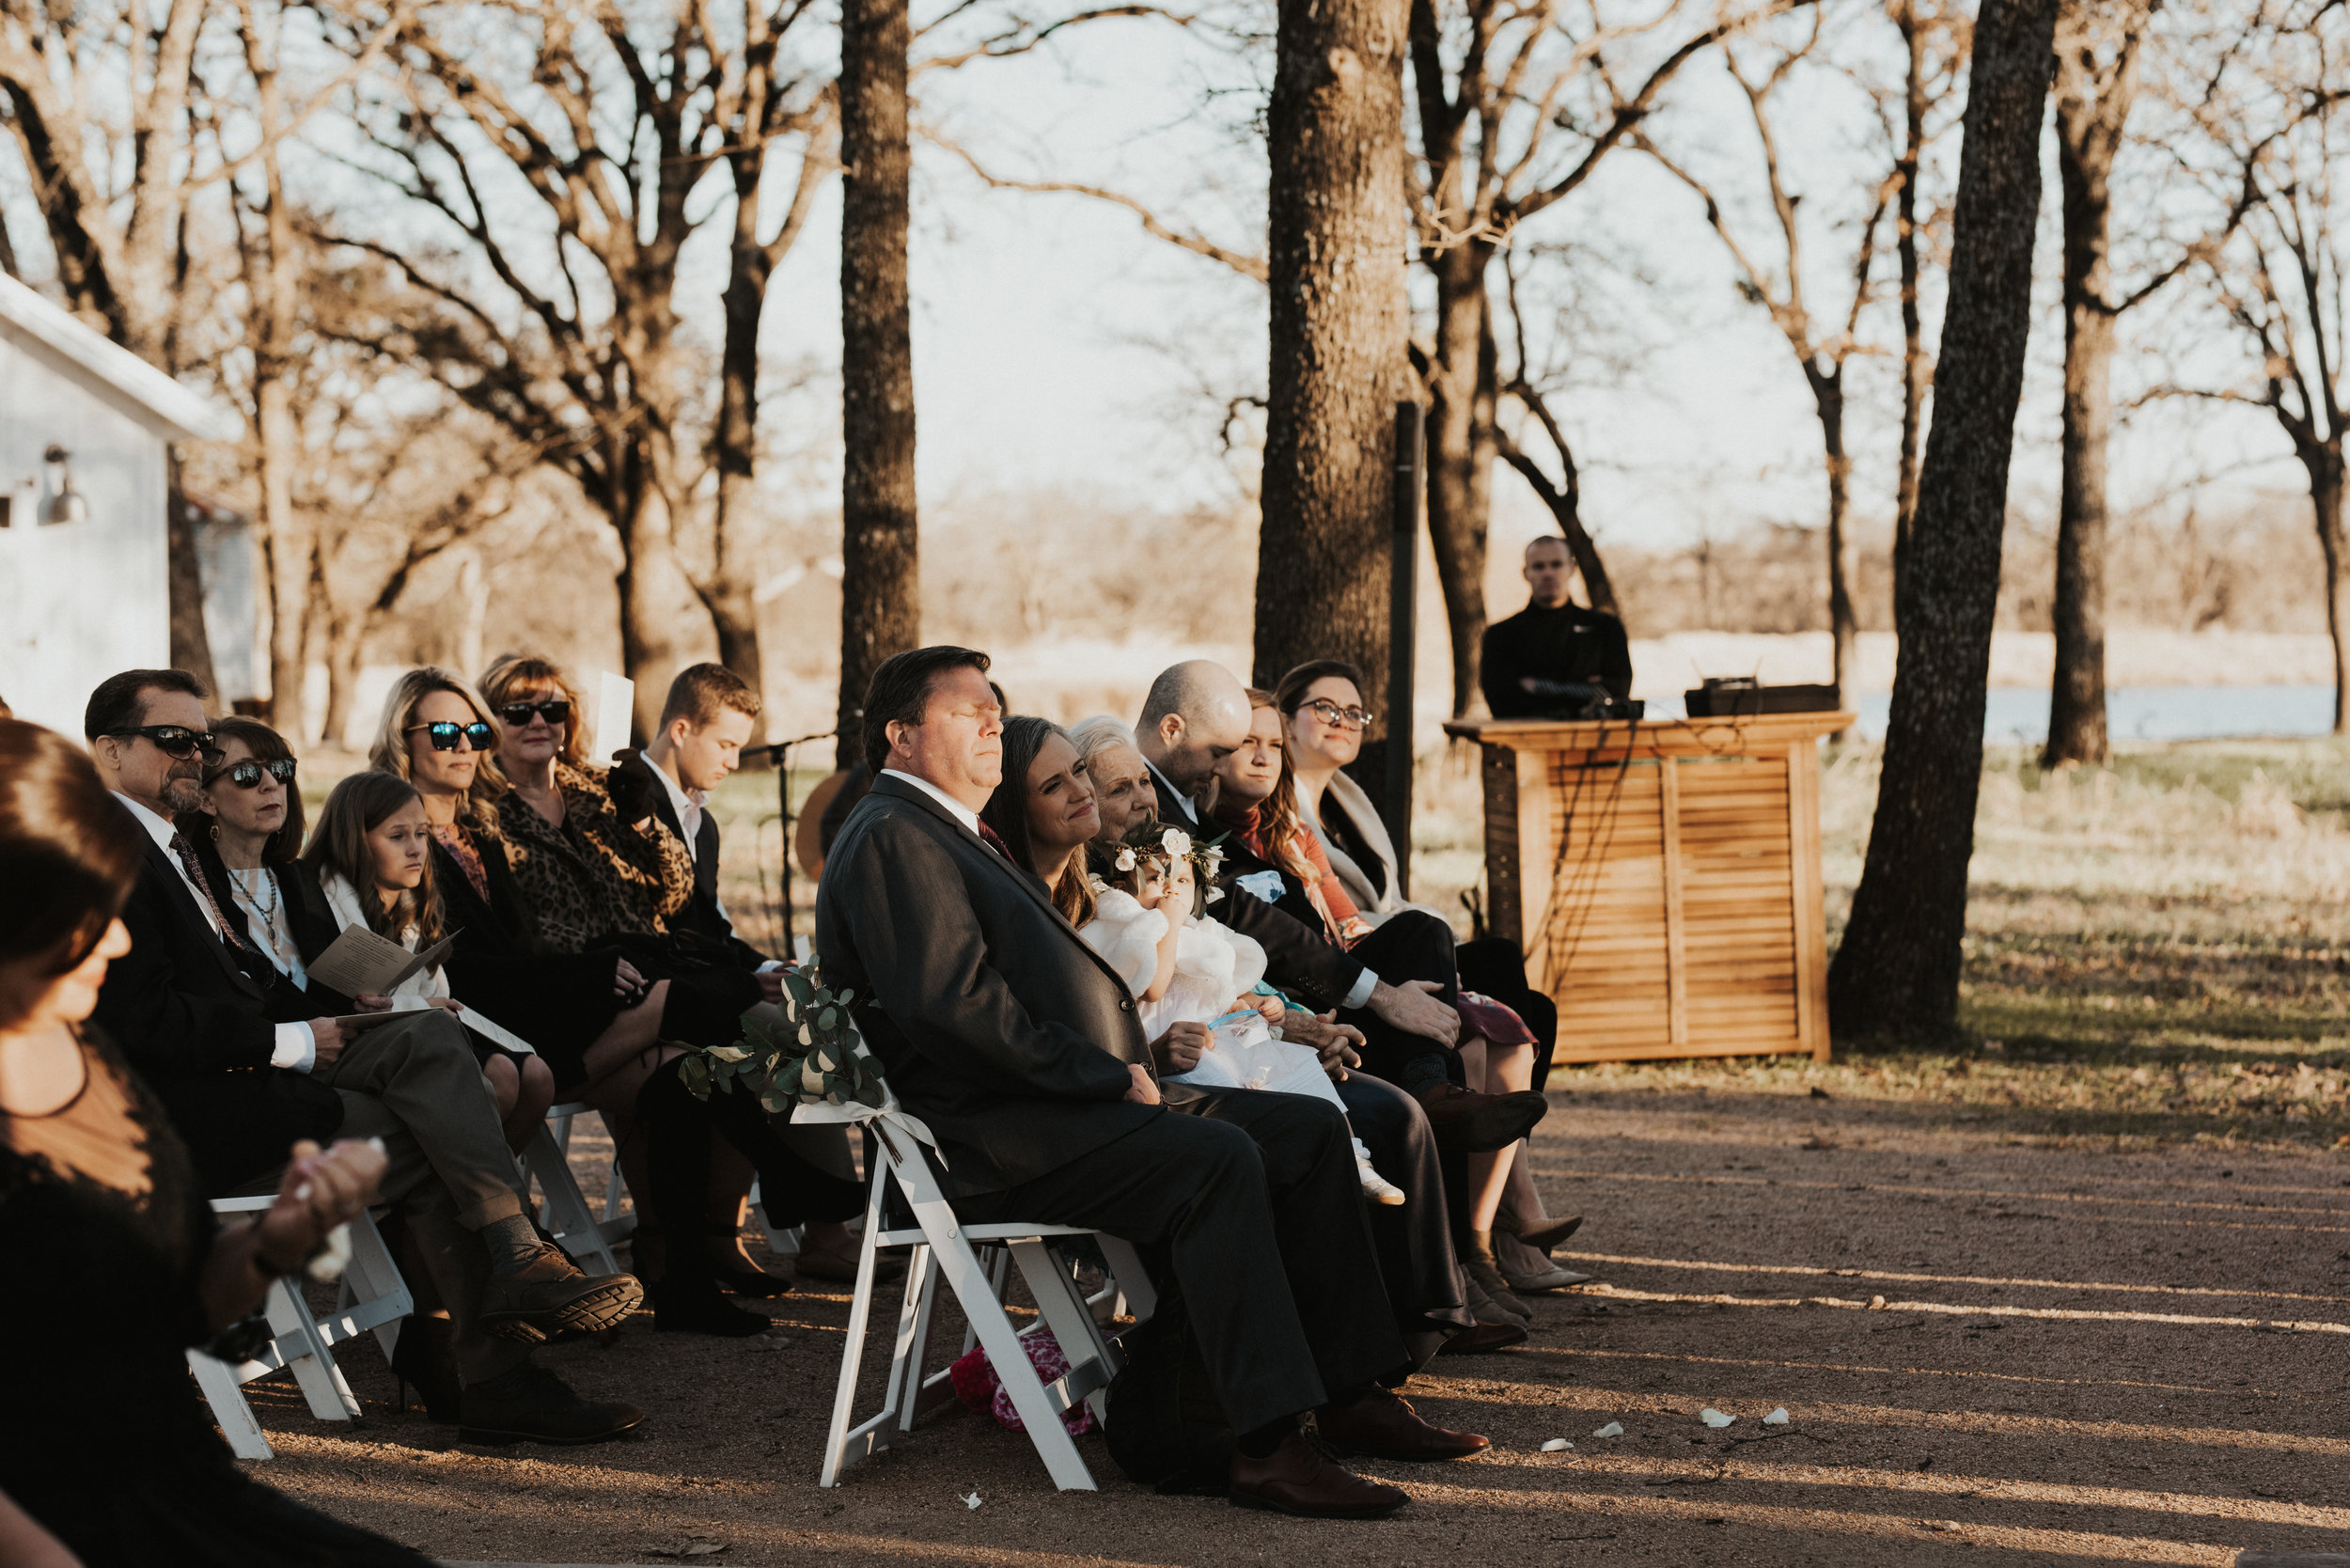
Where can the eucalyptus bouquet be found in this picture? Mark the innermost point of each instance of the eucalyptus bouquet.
(814, 1057)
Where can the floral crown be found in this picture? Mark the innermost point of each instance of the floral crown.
(1153, 840)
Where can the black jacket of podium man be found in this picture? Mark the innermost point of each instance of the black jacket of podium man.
(1568, 643)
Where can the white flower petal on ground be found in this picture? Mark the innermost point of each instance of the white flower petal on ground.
(971, 1502)
(1777, 1418)
(1613, 1429)
(1714, 1417)
(1556, 1444)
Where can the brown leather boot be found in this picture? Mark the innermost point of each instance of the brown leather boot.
(548, 1295)
(1471, 1124)
(1380, 1425)
(1298, 1478)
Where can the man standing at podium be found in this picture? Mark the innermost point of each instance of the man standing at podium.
(1554, 656)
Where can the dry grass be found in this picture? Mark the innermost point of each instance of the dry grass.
(2159, 949)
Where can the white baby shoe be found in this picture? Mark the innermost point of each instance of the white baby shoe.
(1376, 1186)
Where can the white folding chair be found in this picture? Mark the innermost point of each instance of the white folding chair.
(568, 1217)
(942, 1247)
(374, 1298)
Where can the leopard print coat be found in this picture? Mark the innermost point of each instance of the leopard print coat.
(594, 876)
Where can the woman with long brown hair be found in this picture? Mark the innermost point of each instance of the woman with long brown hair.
(1278, 858)
(99, 1205)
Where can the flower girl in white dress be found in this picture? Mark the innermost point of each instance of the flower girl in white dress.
(1184, 967)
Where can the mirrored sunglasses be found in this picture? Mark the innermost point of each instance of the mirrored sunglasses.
(446, 733)
(247, 774)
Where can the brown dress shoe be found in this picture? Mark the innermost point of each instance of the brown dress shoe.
(549, 1296)
(1298, 1478)
(1380, 1425)
(1471, 1124)
(1483, 1339)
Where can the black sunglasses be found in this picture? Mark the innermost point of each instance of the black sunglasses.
(247, 774)
(555, 710)
(443, 734)
(174, 740)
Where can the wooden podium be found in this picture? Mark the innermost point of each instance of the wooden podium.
(1664, 878)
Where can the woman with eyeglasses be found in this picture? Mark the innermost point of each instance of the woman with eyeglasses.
(1322, 708)
(1276, 856)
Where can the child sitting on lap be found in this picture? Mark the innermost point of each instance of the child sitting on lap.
(1184, 967)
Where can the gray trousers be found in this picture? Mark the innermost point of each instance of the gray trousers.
(415, 1084)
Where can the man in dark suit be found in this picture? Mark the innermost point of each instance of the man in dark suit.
(1019, 1046)
(1553, 656)
(1195, 714)
(241, 1071)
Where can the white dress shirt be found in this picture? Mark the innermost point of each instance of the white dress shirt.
(955, 808)
(688, 805)
(1365, 983)
(296, 1046)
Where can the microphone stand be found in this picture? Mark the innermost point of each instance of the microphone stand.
(780, 755)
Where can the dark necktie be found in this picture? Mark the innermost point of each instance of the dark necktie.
(993, 840)
(195, 868)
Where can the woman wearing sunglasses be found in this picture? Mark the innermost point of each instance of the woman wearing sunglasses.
(601, 878)
(584, 1011)
(255, 809)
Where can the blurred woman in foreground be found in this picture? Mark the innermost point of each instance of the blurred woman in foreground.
(114, 1459)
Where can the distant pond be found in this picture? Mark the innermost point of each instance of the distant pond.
(2019, 714)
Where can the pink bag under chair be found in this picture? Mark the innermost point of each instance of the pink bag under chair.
(979, 1388)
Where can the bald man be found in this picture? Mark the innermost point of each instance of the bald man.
(1196, 713)
(1554, 656)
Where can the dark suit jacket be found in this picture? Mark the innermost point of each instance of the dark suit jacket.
(994, 1021)
(315, 929)
(1299, 958)
(1569, 643)
(702, 917)
(200, 1030)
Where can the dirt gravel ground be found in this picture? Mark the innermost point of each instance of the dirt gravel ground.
(1993, 1347)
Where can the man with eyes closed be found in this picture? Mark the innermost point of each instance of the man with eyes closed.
(1020, 1048)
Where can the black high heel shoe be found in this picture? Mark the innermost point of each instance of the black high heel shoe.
(426, 1356)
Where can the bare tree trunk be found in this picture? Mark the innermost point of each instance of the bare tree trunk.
(1843, 561)
(2093, 104)
(191, 644)
(1461, 393)
(1564, 500)
(881, 610)
(1339, 329)
(291, 552)
(2325, 466)
(734, 448)
(1898, 968)
(652, 583)
(1913, 331)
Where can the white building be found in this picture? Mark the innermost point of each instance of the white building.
(84, 485)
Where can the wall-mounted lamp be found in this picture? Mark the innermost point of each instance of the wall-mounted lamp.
(66, 504)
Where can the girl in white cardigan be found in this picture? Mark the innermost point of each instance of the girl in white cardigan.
(1184, 967)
